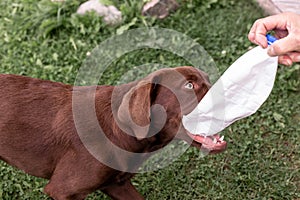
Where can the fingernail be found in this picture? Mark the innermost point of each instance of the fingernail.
(271, 51)
(287, 62)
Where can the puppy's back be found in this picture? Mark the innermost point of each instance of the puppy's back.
(29, 111)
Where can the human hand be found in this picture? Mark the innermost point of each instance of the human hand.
(287, 29)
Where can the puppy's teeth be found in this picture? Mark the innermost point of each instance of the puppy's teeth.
(221, 138)
(215, 141)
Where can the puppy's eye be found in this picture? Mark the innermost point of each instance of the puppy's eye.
(189, 86)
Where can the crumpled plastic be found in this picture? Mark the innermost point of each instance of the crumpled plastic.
(238, 93)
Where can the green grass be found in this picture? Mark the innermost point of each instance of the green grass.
(46, 40)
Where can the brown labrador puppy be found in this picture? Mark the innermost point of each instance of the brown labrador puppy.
(87, 138)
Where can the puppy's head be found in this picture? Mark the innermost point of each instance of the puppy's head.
(154, 107)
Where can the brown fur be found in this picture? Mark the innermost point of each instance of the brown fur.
(38, 133)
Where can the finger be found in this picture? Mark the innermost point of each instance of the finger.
(280, 33)
(260, 28)
(295, 56)
(283, 46)
(256, 37)
(285, 60)
(251, 34)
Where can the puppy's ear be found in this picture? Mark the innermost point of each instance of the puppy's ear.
(134, 112)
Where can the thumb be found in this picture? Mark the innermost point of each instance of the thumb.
(283, 46)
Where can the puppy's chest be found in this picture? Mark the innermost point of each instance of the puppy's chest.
(123, 176)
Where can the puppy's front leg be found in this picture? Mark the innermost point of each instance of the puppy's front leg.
(122, 191)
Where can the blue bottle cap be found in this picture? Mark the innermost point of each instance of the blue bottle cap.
(271, 39)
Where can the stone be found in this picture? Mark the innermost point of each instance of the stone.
(111, 15)
(159, 8)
